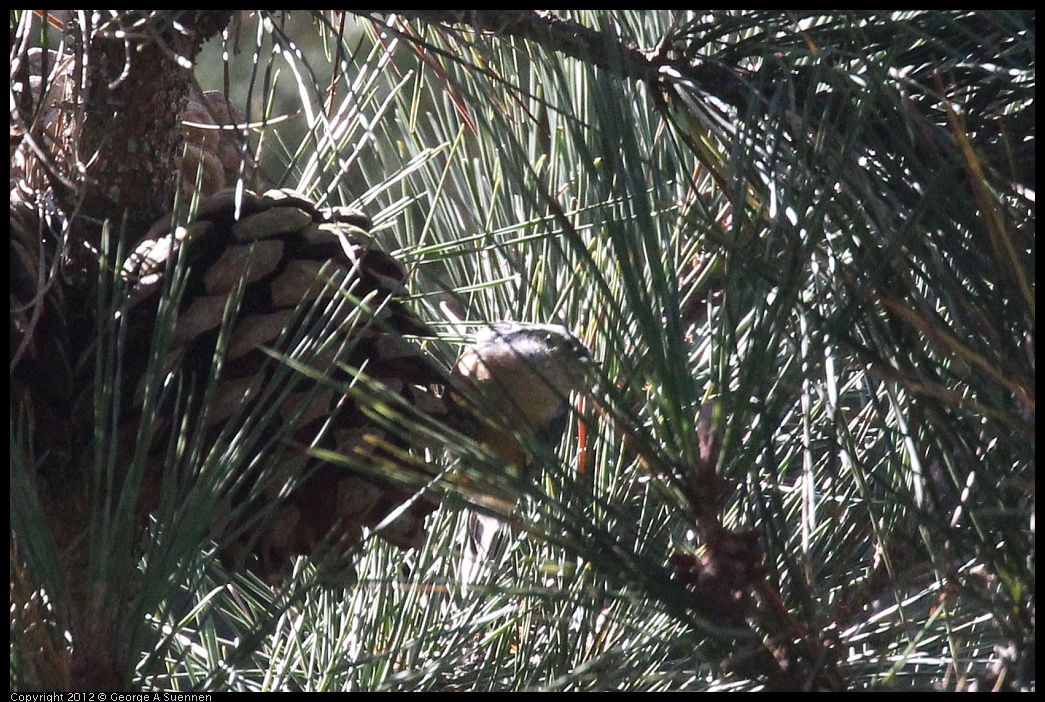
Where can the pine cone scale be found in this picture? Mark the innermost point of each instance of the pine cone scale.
(248, 263)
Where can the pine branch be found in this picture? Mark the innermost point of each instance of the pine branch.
(597, 47)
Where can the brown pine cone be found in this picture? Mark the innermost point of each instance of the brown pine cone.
(304, 279)
(213, 156)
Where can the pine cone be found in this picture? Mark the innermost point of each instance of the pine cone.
(213, 157)
(304, 278)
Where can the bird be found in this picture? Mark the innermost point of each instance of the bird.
(516, 379)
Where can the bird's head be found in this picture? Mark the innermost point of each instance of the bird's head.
(525, 372)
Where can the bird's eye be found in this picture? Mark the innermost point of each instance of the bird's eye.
(560, 343)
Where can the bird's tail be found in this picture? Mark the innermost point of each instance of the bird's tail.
(483, 550)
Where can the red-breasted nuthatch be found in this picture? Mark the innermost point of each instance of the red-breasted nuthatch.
(518, 378)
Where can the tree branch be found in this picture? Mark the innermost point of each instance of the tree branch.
(592, 46)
